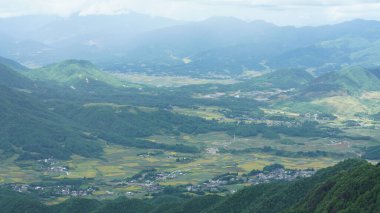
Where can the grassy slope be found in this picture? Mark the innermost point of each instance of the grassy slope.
(283, 79)
(76, 73)
(349, 81)
(343, 93)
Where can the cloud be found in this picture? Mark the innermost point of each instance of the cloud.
(53, 7)
(283, 12)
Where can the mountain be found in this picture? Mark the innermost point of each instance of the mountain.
(285, 79)
(202, 47)
(12, 64)
(229, 46)
(346, 187)
(44, 39)
(11, 78)
(74, 73)
(23, 27)
(30, 130)
(349, 81)
(219, 45)
(350, 186)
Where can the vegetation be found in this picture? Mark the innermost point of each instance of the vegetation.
(219, 115)
(282, 78)
(11, 78)
(96, 128)
(75, 73)
(372, 153)
(350, 186)
(352, 81)
(35, 133)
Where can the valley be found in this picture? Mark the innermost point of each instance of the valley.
(132, 112)
(227, 130)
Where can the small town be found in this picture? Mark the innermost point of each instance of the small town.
(52, 191)
(216, 184)
(149, 181)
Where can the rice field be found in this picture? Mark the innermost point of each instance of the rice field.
(120, 162)
(169, 81)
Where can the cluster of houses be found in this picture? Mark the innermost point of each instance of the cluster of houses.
(280, 175)
(149, 180)
(64, 190)
(288, 124)
(71, 191)
(264, 96)
(153, 176)
(53, 166)
(256, 95)
(271, 123)
(318, 117)
(150, 154)
(217, 184)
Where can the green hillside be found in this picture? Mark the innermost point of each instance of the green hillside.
(286, 78)
(349, 81)
(10, 78)
(29, 129)
(355, 189)
(12, 64)
(342, 188)
(282, 79)
(76, 73)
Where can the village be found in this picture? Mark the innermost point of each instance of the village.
(218, 183)
(49, 191)
(53, 167)
(150, 181)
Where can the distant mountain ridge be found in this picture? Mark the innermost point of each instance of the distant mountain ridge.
(219, 45)
(12, 64)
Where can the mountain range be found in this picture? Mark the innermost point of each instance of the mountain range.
(218, 45)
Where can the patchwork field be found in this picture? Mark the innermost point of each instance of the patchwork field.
(120, 162)
(169, 81)
(208, 113)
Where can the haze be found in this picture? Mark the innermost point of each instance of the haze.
(285, 12)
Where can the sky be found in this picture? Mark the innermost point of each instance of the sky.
(281, 12)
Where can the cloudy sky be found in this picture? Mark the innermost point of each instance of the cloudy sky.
(282, 12)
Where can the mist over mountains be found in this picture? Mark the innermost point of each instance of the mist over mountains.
(223, 45)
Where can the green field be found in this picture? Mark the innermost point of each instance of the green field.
(170, 81)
